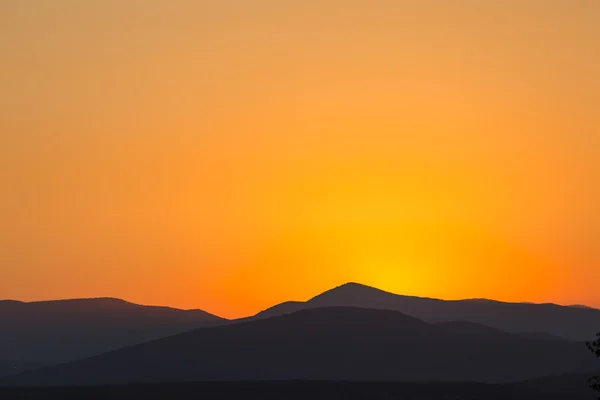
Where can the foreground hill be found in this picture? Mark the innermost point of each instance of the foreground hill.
(573, 323)
(327, 344)
(50, 332)
(568, 384)
(12, 367)
(292, 391)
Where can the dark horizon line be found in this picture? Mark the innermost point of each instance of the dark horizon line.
(121, 300)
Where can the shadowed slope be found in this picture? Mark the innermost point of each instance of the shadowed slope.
(326, 344)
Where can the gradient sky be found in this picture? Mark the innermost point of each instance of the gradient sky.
(232, 154)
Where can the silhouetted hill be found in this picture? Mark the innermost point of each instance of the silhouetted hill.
(11, 367)
(50, 332)
(326, 344)
(567, 384)
(573, 323)
(288, 390)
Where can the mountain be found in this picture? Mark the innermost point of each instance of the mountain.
(338, 343)
(572, 323)
(50, 332)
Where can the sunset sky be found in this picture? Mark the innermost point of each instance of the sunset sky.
(231, 154)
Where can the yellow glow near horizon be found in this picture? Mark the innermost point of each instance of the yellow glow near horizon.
(229, 155)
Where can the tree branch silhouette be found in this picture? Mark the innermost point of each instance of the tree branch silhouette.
(595, 348)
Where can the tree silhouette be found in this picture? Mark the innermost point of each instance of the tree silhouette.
(595, 348)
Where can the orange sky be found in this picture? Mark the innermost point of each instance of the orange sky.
(229, 155)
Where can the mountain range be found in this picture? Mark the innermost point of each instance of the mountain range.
(567, 322)
(51, 332)
(336, 343)
(349, 333)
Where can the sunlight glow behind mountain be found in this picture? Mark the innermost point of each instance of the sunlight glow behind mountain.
(261, 151)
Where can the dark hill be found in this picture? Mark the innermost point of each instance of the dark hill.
(568, 384)
(342, 344)
(50, 332)
(290, 390)
(573, 323)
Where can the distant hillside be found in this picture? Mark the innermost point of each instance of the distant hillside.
(50, 332)
(327, 344)
(573, 323)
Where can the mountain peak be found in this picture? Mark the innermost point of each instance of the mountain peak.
(350, 294)
(355, 285)
(352, 288)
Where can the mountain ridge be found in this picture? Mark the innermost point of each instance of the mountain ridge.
(51, 332)
(98, 300)
(334, 343)
(571, 323)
